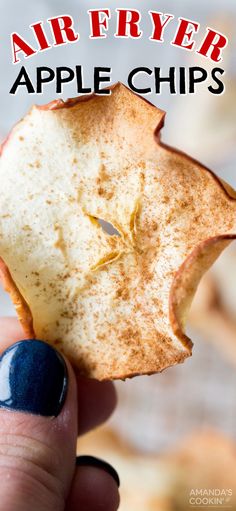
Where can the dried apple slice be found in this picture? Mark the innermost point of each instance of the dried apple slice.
(115, 305)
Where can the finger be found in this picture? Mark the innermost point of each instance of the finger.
(96, 400)
(95, 486)
(10, 332)
(38, 427)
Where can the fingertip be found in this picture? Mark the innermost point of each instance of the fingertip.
(11, 331)
(38, 426)
(96, 400)
(93, 488)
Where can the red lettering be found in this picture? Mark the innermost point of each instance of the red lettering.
(40, 35)
(217, 41)
(183, 36)
(62, 28)
(19, 44)
(128, 23)
(159, 24)
(98, 23)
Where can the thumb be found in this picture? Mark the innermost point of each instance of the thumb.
(38, 427)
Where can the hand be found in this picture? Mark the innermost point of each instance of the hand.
(47, 406)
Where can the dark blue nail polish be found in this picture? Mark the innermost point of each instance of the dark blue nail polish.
(91, 461)
(33, 378)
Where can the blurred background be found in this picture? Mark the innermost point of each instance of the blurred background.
(182, 421)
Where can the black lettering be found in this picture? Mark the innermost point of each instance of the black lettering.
(134, 73)
(23, 79)
(193, 78)
(80, 80)
(220, 84)
(63, 75)
(182, 80)
(98, 79)
(161, 79)
(42, 79)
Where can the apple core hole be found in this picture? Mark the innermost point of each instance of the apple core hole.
(108, 228)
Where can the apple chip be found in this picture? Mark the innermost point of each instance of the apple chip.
(115, 304)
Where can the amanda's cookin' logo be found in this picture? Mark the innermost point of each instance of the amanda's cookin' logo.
(210, 498)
